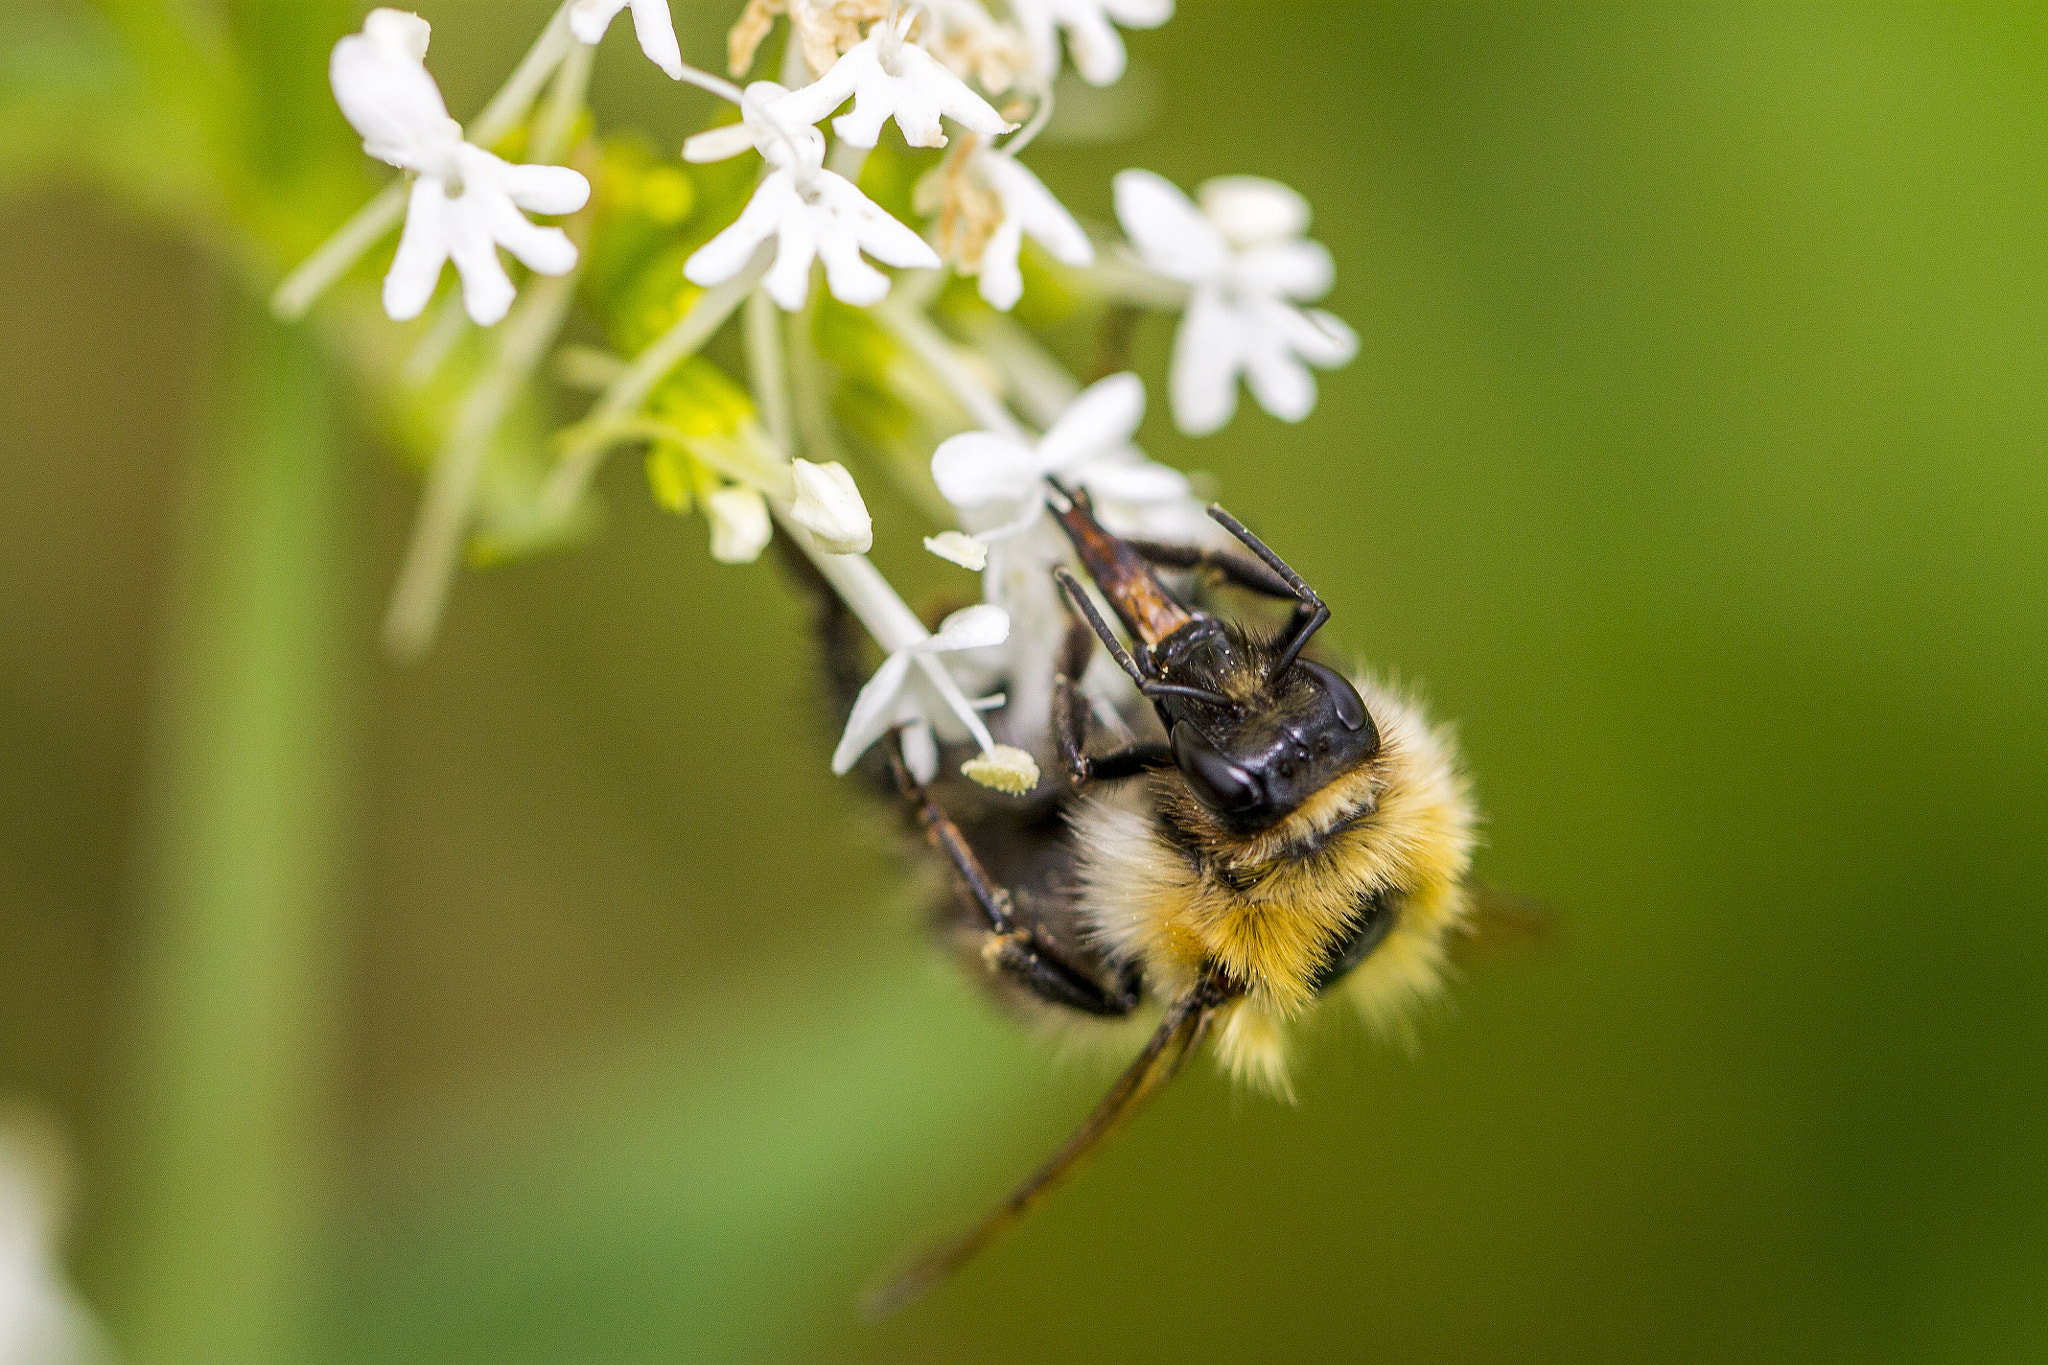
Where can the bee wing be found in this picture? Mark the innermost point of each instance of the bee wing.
(1501, 921)
(1177, 1038)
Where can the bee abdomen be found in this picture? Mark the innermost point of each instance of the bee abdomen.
(1373, 921)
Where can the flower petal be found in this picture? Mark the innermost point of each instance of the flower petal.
(1002, 283)
(416, 269)
(1295, 270)
(388, 97)
(1169, 232)
(725, 255)
(851, 279)
(1026, 199)
(975, 627)
(788, 281)
(979, 467)
(588, 19)
(718, 144)
(656, 30)
(1207, 356)
(1282, 384)
(1251, 210)
(920, 750)
(1139, 482)
(486, 289)
(881, 236)
(1106, 414)
(1322, 339)
(544, 189)
(874, 711)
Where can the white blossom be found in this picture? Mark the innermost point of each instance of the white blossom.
(828, 505)
(1245, 258)
(813, 213)
(1028, 210)
(740, 528)
(895, 696)
(1091, 32)
(998, 483)
(466, 203)
(652, 24)
(1089, 446)
(887, 76)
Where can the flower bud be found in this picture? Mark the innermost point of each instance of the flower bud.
(829, 507)
(739, 524)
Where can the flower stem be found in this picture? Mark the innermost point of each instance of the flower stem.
(858, 582)
(928, 344)
(430, 560)
(1119, 277)
(1042, 385)
(765, 370)
(332, 260)
(585, 444)
(556, 122)
(524, 85)
(242, 823)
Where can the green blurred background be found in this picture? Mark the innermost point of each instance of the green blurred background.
(1696, 460)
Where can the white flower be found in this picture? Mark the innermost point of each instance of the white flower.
(1091, 32)
(1245, 257)
(588, 19)
(1028, 208)
(889, 77)
(740, 528)
(894, 696)
(812, 213)
(828, 505)
(466, 202)
(1089, 446)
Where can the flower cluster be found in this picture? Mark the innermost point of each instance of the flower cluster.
(831, 254)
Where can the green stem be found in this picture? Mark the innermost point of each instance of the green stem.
(242, 827)
(584, 445)
(430, 560)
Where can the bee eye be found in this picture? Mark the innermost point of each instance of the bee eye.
(1343, 696)
(1217, 783)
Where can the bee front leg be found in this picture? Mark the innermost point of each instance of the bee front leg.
(1019, 951)
(1071, 721)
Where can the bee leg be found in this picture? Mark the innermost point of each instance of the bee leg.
(1070, 718)
(1019, 951)
(1248, 574)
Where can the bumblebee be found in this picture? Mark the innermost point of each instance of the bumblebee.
(1286, 838)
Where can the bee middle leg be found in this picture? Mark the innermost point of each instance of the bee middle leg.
(1018, 950)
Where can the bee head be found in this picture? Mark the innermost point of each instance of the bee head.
(1259, 744)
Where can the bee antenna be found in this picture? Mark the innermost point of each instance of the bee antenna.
(1310, 611)
(1077, 598)
(1151, 687)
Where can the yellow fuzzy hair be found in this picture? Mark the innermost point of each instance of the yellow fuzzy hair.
(1163, 884)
